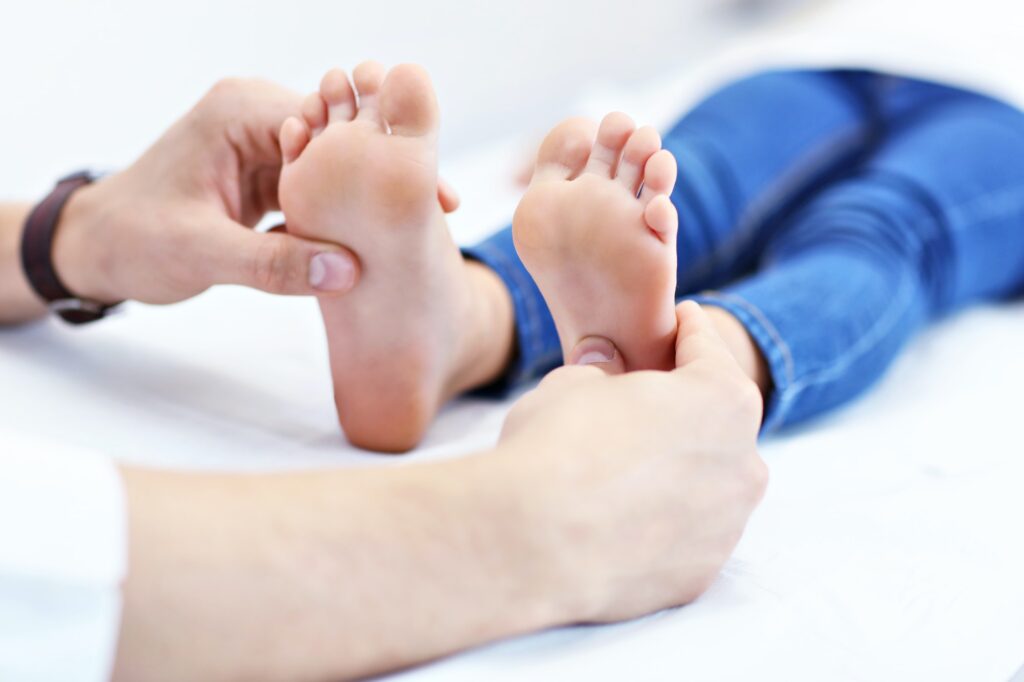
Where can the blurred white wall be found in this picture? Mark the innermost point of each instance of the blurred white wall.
(92, 83)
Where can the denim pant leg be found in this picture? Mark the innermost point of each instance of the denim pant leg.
(747, 155)
(752, 152)
(931, 222)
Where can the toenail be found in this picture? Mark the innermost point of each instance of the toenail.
(592, 351)
(331, 272)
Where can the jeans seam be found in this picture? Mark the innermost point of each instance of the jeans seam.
(963, 217)
(1010, 199)
(864, 344)
(770, 329)
(773, 345)
(776, 196)
(786, 395)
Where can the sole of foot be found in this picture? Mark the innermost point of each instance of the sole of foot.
(360, 169)
(597, 231)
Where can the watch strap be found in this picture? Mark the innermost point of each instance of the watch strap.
(37, 255)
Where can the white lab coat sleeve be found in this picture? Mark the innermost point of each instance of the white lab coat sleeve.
(63, 553)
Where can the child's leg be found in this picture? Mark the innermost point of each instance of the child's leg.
(746, 156)
(933, 221)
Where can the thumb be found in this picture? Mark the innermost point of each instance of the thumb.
(280, 263)
(599, 352)
(697, 338)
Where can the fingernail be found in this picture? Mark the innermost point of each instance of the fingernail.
(592, 352)
(331, 272)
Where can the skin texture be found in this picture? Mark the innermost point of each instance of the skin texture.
(596, 228)
(423, 325)
(17, 301)
(597, 231)
(336, 575)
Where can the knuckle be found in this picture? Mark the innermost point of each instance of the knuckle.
(515, 418)
(747, 398)
(755, 478)
(270, 266)
(690, 590)
(227, 88)
(742, 480)
(709, 369)
(223, 100)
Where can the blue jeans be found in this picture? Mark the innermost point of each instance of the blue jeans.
(834, 213)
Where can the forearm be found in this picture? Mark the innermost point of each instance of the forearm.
(323, 575)
(18, 303)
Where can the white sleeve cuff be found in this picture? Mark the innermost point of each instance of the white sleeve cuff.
(63, 547)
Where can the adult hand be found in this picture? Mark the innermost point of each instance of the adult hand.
(607, 497)
(644, 480)
(178, 220)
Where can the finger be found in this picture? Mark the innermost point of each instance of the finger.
(555, 380)
(257, 108)
(447, 195)
(567, 375)
(697, 338)
(277, 262)
(599, 352)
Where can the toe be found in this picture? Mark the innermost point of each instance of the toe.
(294, 137)
(640, 146)
(314, 111)
(611, 136)
(407, 101)
(659, 175)
(660, 215)
(337, 93)
(368, 77)
(565, 150)
(447, 196)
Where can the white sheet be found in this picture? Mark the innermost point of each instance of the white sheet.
(889, 545)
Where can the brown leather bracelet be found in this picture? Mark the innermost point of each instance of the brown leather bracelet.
(37, 255)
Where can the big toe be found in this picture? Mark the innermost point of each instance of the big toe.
(565, 150)
(407, 101)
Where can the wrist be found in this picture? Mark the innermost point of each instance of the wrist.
(504, 498)
(81, 254)
(535, 527)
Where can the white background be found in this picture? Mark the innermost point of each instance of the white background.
(94, 82)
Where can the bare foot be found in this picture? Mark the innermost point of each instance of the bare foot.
(421, 325)
(597, 231)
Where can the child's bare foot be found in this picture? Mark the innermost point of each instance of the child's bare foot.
(363, 173)
(597, 231)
